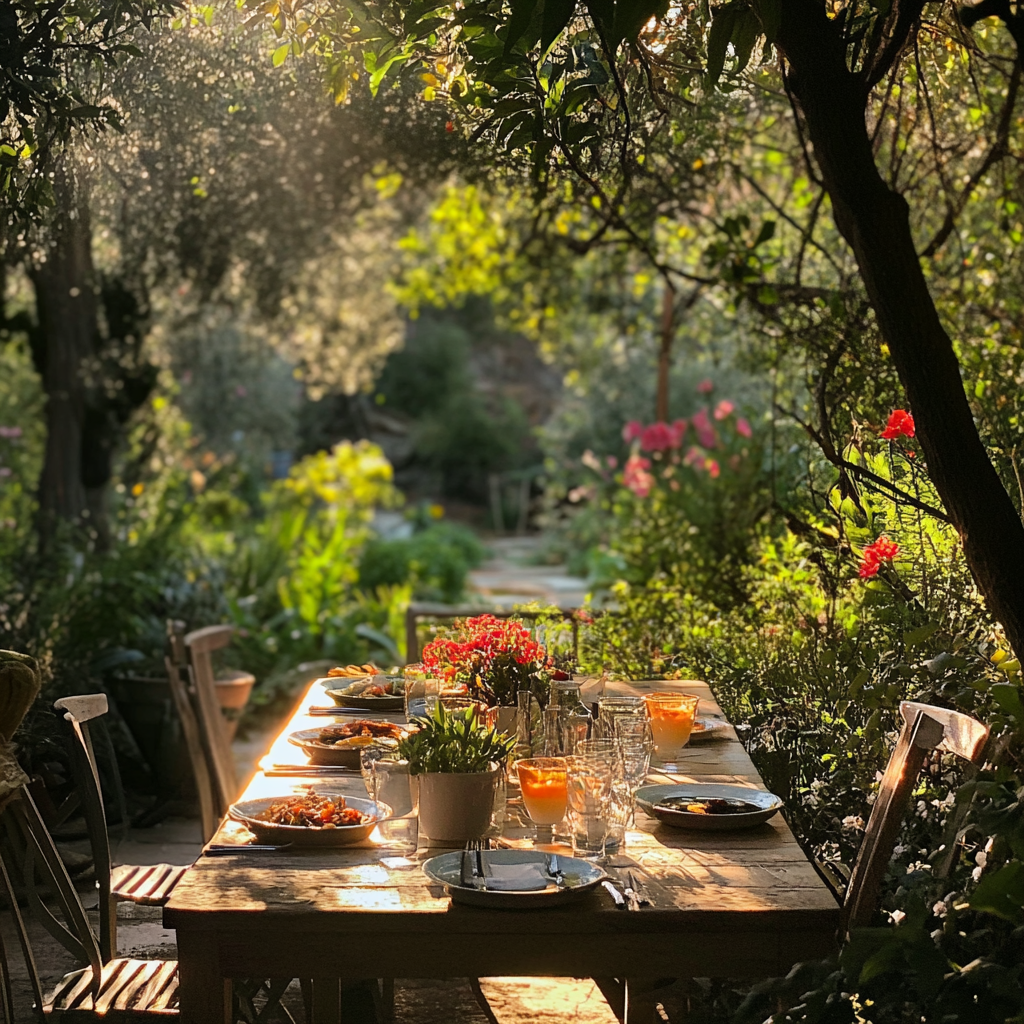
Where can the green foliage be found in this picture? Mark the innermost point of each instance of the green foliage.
(434, 561)
(454, 741)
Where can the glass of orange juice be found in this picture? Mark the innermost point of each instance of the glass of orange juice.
(542, 781)
(671, 716)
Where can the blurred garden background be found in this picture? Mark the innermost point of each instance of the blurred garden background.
(301, 314)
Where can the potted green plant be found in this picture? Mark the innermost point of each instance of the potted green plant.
(455, 760)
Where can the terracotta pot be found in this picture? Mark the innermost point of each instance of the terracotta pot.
(455, 807)
(233, 688)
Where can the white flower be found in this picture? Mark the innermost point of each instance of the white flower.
(981, 858)
(816, 785)
(939, 909)
(896, 916)
(853, 823)
(976, 874)
(810, 800)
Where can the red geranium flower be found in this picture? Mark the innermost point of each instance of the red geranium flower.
(901, 424)
(882, 550)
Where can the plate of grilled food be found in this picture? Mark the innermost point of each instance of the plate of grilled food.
(340, 744)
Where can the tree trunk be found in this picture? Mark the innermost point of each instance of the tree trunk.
(66, 302)
(668, 330)
(875, 222)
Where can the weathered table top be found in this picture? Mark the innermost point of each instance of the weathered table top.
(726, 904)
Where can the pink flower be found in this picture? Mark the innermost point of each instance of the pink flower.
(636, 477)
(694, 457)
(5, 471)
(743, 428)
(679, 432)
(632, 430)
(711, 465)
(723, 409)
(706, 386)
(705, 431)
(657, 437)
(612, 461)
(900, 423)
(11, 433)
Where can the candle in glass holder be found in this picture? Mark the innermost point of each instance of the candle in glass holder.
(671, 716)
(542, 781)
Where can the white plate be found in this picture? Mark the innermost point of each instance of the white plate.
(650, 797)
(711, 729)
(245, 811)
(579, 876)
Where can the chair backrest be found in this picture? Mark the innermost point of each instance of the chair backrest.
(77, 713)
(925, 728)
(27, 836)
(200, 645)
(178, 677)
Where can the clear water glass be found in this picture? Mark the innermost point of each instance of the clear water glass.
(421, 696)
(388, 781)
(612, 708)
(588, 793)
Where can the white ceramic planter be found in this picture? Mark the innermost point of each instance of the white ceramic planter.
(455, 807)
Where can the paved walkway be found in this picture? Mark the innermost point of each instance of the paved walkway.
(513, 576)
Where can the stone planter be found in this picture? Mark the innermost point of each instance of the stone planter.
(233, 688)
(455, 807)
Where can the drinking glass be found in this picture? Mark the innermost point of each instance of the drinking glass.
(671, 716)
(542, 781)
(388, 781)
(421, 696)
(588, 789)
(634, 740)
(606, 749)
(610, 709)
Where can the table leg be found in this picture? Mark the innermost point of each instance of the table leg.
(326, 1001)
(204, 995)
(640, 1002)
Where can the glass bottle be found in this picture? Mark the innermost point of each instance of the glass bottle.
(574, 717)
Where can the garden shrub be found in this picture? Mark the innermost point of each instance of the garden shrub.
(434, 561)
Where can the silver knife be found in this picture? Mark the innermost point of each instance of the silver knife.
(620, 900)
(631, 896)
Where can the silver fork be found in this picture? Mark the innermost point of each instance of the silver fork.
(554, 870)
(472, 859)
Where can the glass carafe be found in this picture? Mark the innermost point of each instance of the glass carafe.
(574, 717)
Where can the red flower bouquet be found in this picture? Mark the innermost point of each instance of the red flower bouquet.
(494, 658)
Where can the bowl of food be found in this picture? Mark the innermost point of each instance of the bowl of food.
(708, 807)
(312, 818)
(378, 692)
(340, 744)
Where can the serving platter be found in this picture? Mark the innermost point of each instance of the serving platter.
(575, 878)
(245, 811)
(344, 756)
(652, 800)
(336, 687)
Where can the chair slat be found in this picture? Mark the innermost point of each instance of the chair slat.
(117, 975)
(71, 989)
(129, 996)
(149, 885)
(160, 988)
(961, 735)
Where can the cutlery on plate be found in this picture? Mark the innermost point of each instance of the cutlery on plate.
(554, 870)
(225, 849)
(620, 900)
(306, 773)
(640, 889)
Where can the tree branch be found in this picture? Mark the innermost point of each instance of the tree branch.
(1000, 148)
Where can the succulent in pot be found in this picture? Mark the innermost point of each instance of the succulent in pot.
(456, 761)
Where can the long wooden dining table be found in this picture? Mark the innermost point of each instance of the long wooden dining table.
(743, 904)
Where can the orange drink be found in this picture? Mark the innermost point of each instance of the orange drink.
(671, 716)
(542, 781)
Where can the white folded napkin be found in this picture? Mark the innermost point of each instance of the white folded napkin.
(527, 877)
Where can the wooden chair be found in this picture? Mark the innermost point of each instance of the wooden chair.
(149, 885)
(199, 646)
(925, 728)
(117, 989)
(180, 679)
